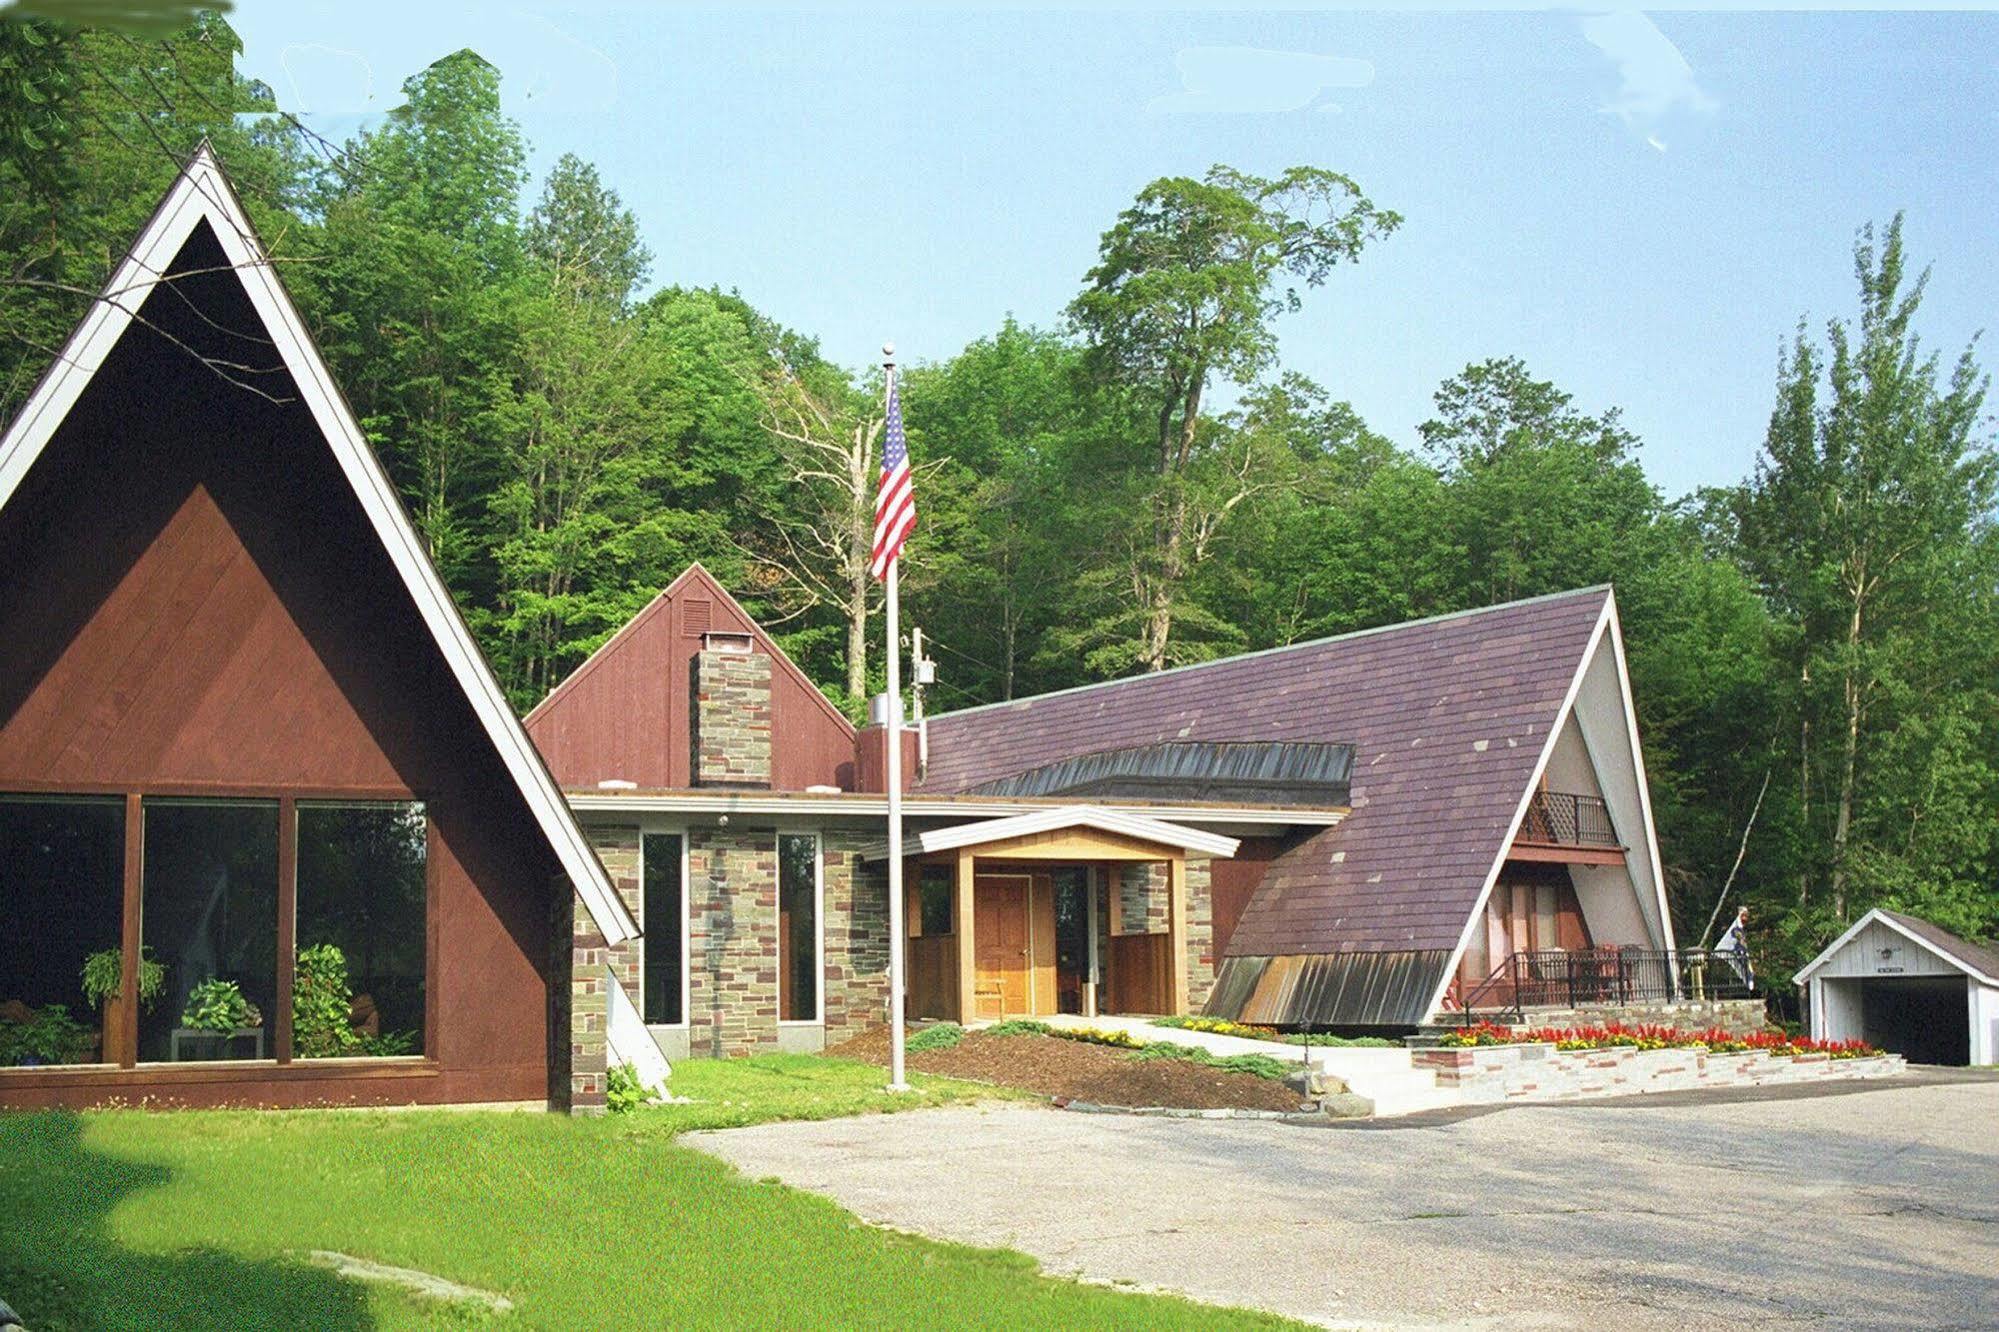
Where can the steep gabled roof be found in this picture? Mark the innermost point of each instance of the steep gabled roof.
(200, 195)
(693, 575)
(1450, 718)
(1979, 960)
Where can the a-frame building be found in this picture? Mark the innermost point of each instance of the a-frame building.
(244, 732)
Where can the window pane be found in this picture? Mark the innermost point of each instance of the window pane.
(362, 926)
(662, 943)
(209, 892)
(934, 892)
(797, 928)
(62, 889)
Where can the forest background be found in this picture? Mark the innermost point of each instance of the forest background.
(1132, 483)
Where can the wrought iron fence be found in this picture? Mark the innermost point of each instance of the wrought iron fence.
(1564, 818)
(1557, 978)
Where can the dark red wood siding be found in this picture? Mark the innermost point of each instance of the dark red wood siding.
(191, 599)
(624, 715)
(1233, 882)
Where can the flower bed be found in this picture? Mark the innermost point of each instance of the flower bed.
(1488, 1062)
(1616, 1035)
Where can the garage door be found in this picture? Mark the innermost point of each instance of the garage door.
(1923, 1018)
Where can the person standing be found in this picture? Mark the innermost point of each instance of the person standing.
(1734, 944)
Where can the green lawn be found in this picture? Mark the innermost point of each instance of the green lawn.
(729, 1093)
(124, 1219)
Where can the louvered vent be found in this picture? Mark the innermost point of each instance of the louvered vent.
(695, 617)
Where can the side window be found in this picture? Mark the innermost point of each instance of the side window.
(798, 927)
(664, 945)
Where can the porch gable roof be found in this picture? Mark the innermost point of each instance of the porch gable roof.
(990, 832)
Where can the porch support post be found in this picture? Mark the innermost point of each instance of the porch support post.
(1176, 929)
(968, 976)
(1093, 878)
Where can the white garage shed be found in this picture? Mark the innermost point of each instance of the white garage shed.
(1906, 985)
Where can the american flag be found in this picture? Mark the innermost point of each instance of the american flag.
(895, 501)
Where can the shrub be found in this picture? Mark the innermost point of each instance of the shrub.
(941, 1036)
(1259, 1065)
(219, 1005)
(1020, 1027)
(104, 973)
(1246, 1031)
(1122, 1040)
(388, 1043)
(623, 1091)
(322, 1005)
(52, 1036)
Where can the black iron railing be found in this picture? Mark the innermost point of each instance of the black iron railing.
(1558, 978)
(1563, 818)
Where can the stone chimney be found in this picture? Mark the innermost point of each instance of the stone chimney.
(732, 720)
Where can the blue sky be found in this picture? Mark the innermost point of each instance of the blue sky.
(1640, 206)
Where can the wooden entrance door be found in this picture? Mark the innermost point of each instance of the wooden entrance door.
(1000, 944)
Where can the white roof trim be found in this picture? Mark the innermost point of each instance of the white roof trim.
(1882, 917)
(202, 193)
(865, 805)
(1135, 826)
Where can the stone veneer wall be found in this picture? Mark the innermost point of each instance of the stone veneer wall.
(582, 1011)
(732, 718)
(1143, 898)
(1200, 934)
(1142, 903)
(856, 906)
(1738, 1017)
(732, 941)
(733, 945)
(1543, 1073)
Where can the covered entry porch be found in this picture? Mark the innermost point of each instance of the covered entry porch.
(1074, 909)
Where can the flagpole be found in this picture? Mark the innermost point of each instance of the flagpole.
(897, 930)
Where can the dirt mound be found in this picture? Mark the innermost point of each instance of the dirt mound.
(1079, 1071)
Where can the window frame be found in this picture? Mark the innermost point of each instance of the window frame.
(650, 828)
(818, 1018)
(288, 919)
(132, 927)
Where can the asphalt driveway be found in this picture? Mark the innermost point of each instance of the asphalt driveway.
(1877, 1208)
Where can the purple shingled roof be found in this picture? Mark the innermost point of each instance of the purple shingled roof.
(1983, 958)
(1448, 717)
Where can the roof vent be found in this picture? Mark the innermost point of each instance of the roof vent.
(727, 642)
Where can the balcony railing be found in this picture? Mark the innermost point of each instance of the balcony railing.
(1604, 976)
(1563, 818)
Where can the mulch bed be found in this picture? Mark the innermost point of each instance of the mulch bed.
(1078, 1071)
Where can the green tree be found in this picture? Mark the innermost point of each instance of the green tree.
(420, 270)
(1544, 497)
(1002, 417)
(585, 238)
(1868, 525)
(94, 124)
(1185, 293)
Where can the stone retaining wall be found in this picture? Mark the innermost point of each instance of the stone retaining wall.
(1737, 1017)
(1540, 1072)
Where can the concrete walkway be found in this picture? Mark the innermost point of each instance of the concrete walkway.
(1382, 1074)
(1867, 1207)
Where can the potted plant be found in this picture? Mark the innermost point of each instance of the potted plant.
(104, 987)
(217, 1009)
